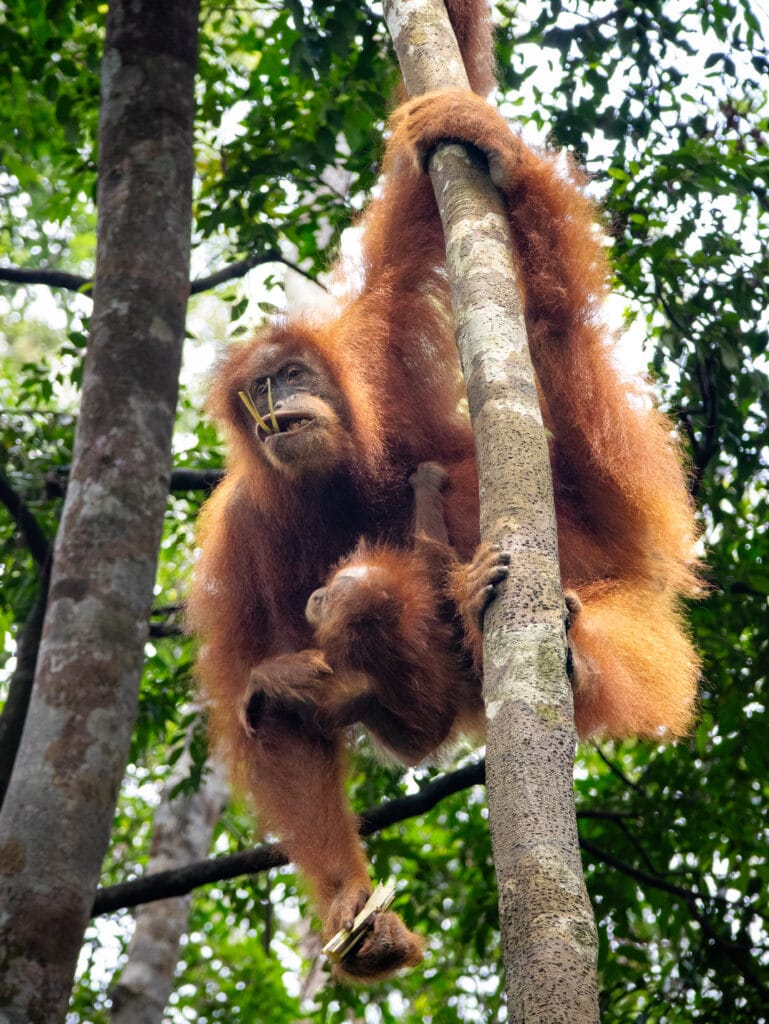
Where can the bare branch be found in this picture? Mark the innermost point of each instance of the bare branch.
(14, 712)
(261, 858)
(163, 630)
(615, 770)
(30, 529)
(194, 479)
(83, 285)
(180, 881)
(51, 278)
(697, 903)
(647, 878)
(241, 268)
(181, 480)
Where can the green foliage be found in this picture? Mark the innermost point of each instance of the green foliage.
(49, 101)
(666, 106)
(305, 78)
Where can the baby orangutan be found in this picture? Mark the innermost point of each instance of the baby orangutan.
(398, 628)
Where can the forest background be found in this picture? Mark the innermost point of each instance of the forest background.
(666, 105)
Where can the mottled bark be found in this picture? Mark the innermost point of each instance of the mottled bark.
(59, 806)
(181, 834)
(547, 923)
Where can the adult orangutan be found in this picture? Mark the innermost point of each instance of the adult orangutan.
(339, 412)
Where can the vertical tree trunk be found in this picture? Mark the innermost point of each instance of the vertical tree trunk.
(547, 923)
(59, 806)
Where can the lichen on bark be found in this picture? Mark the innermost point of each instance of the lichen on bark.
(548, 928)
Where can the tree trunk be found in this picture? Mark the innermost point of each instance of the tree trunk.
(59, 806)
(181, 834)
(547, 923)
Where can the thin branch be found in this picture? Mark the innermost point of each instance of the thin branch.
(179, 882)
(687, 410)
(705, 373)
(685, 329)
(181, 480)
(704, 451)
(696, 902)
(28, 526)
(194, 479)
(51, 278)
(164, 630)
(637, 846)
(49, 414)
(648, 878)
(691, 436)
(616, 771)
(14, 712)
(738, 587)
(429, 795)
(83, 285)
(28, 642)
(241, 268)
(607, 816)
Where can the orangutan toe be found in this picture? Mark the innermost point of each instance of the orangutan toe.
(573, 606)
(489, 567)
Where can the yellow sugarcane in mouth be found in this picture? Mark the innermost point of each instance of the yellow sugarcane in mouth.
(249, 404)
(271, 407)
(246, 400)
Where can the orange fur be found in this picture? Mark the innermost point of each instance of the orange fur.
(625, 520)
(271, 533)
(395, 640)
